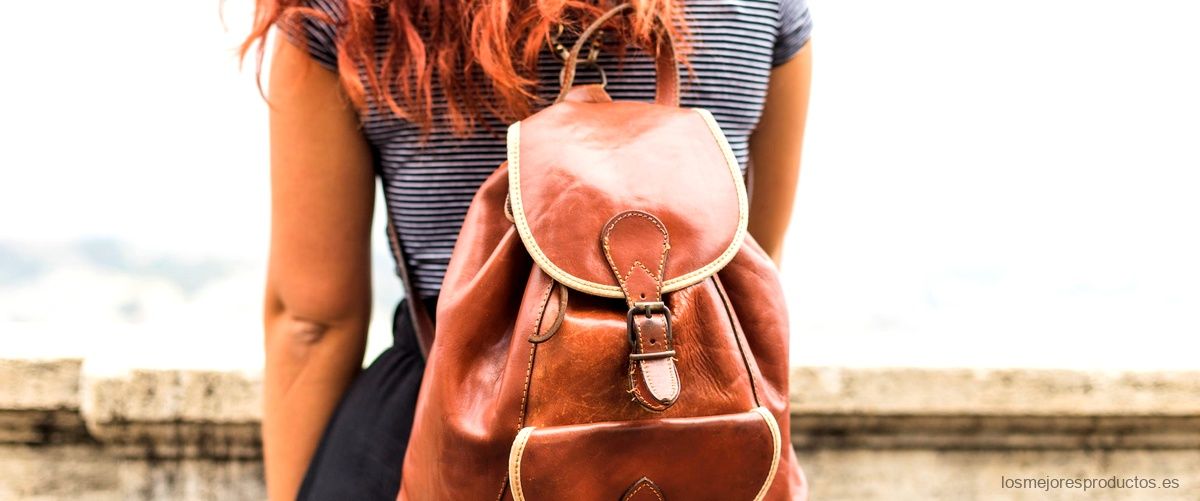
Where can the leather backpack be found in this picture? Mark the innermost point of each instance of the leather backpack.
(607, 330)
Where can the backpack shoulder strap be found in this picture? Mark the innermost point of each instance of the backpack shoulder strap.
(666, 63)
(422, 323)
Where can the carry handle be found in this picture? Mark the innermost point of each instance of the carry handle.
(667, 78)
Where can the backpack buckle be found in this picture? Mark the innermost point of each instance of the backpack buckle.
(653, 378)
(648, 308)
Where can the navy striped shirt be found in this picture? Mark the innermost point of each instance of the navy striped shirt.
(428, 186)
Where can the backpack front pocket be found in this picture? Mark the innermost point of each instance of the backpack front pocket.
(730, 457)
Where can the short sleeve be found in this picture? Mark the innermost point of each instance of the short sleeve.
(317, 33)
(795, 28)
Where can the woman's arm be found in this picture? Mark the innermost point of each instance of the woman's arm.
(318, 297)
(775, 151)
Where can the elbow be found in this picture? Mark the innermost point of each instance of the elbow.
(289, 337)
(294, 326)
(296, 331)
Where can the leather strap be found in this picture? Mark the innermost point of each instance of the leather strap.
(551, 314)
(422, 323)
(667, 92)
(636, 245)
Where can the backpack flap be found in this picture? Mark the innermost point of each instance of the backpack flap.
(575, 166)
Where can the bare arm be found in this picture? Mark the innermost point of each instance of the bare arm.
(318, 296)
(775, 151)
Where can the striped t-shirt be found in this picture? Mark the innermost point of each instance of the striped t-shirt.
(428, 186)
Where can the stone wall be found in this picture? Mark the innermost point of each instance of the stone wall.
(956, 434)
(868, 434)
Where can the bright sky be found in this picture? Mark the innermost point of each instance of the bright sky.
(985, 184)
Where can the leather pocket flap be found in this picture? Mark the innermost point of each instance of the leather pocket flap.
(730, 457)
(573, 166)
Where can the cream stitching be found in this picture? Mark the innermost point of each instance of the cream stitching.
(651, 404)
(643, 486)
(517, 495)
(604, 290)
(518, 208)
(635, 267)
(503, 487)
(662, 258)
(537, 325)
(674, 379)
(775, 440)
(650, 382)
(743, 210)
(639, 367)
(514, 463)
(525, 392)
(642, 366)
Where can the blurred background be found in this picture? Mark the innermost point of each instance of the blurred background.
(987, 186)
(984, 185)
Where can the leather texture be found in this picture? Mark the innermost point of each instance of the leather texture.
(636, 245)
(600, 461)
(554, 310)
(486, 380)
(580, 163)
(535, 387)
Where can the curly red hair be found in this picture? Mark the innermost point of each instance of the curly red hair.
(483, 54)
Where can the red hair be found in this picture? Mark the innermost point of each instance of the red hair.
(483, 54)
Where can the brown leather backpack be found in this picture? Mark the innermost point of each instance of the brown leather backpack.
(606, 329)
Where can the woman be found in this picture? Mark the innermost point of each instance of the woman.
(419, 95)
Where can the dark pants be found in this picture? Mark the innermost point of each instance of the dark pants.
(362, 451)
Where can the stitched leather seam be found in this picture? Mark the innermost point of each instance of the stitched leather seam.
(525, 391)
(662, 258)
(518, 210)
(503, 487)
(641, 342)
(563, 301)
(738, 336)
(640, 366)
(537, 325)
(637, 367)
(643, 486)
(514, 462)
(544, 334)
(773, 426)
(635, 267)
(743, 210)
(674, 379)
(604, 290)
(650, 404)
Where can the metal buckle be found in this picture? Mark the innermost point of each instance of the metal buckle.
(591, 59)
(561, 51)
(648, 308)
